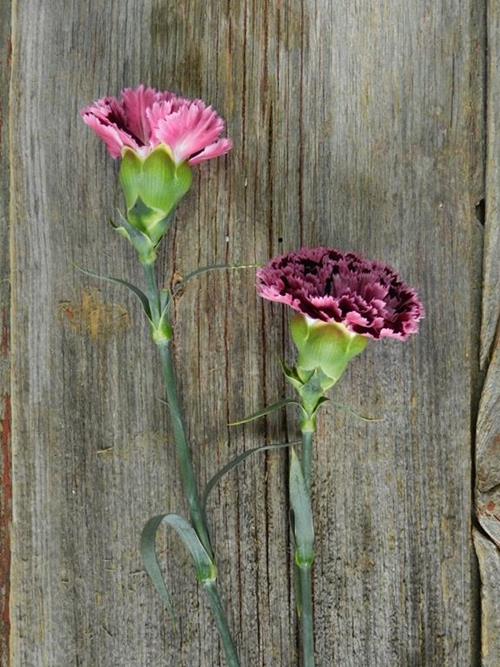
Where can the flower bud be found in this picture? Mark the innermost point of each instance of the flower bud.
(153, 186)
(327, 346)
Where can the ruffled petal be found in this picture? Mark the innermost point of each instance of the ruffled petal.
(143, 118)
(189, 130)
(217, 149)
(135, 103)
(114, 138)
(368, 298)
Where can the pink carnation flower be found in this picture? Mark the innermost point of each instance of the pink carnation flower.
(144, 118)
(325, 284)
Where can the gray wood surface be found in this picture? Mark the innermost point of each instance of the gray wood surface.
(5, 400)
(487, 446)
(489, 565)
(355, 124)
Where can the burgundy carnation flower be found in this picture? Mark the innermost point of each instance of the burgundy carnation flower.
(144, 118)
(328, 285)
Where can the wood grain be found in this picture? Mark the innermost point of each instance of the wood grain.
(487, 449)
(393, 579)
(355, 124)
(5, 400)
(489, 565)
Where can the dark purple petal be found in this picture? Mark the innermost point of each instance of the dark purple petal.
(325, 284)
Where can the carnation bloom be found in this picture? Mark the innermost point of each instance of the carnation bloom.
(327, 285)
(144, 118)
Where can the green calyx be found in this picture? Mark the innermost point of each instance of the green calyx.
(327, 346)
(153, 186)
(324, 352)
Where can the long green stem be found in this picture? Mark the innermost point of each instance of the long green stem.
(306, 615)
(186, 467)
(221, 621)
(180, 436)
(182, 446)
(304, 572)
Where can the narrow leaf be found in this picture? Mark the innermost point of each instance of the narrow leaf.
(291, 375)
(118, 281)
(265, 411)
(205, 568)
(346, 408)
(164, 300)
(151, 564)
(236, 461)
(302, 513)
(207, 269)
(136, 232)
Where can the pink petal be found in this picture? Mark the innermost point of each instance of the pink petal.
(144, 118)
(114, 138)
(218, 148)
(136, 102)
(189, 130)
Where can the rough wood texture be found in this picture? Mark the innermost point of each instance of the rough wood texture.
(356, 124)
(489, 565)
(5, 402)
(487, 486)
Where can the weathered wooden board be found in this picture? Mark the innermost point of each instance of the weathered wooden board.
(487, 446)
(355, 124)
(5, 402)
(488, 556)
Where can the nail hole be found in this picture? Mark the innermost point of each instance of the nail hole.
(280, 239)
(480, 209)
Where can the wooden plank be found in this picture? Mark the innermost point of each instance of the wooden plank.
(355, 124)
(491, 303)
(5, 406)
(487, 452)
(487, 486)
(489, 565)
(399, 127)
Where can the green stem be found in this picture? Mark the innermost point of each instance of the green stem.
(306, 615)
(180, 436)
(152, 291)
(182, 446)
(222, 626)
(198, 518)
(191, 492)
(304, 571)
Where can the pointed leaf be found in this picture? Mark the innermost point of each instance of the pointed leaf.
(321, 400)
(236, 461)
(346, 408)
(151, 564)
(165, 298)
(265, 411)
(291, 375)
(302, 513)
(118, 281)
(207, 269)
(205, 568)
(136, 234)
